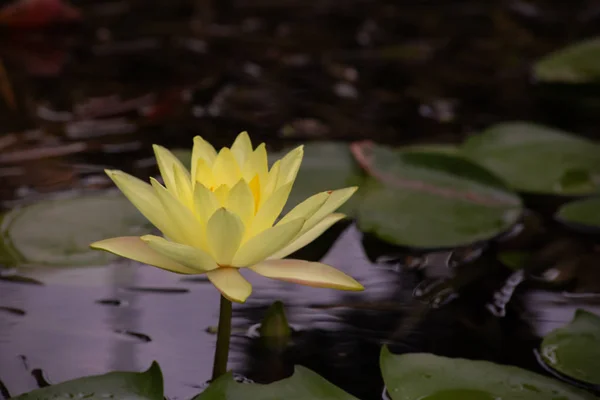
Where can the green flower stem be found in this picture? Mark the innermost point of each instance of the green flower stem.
(223, 337)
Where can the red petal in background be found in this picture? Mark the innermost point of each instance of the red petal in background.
(37, 55)
(37, 13)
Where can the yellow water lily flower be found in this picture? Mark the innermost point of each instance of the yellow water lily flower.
(222, 216)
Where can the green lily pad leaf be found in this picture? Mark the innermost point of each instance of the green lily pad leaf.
(579, 63)
(59, 231)
(325, 166)
(303, 384)
(431, 200)
(147, 385)
(434, 148)
(574, 350)
(515, 260)
(537, 159)
(183, 155)
(421, 376)
(585, 213)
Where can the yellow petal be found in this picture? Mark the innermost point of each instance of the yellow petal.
(143, 197)
(222, 194)
(241, 202)
(134, 248)
(267, 187)
(270, 210)
(205, 203)
(190, 257)
(257, 164)
(307, 273)
(260, 247)
(203, 174)
(232, 285)
(255, 189)
(307, 208)
(224, 233)
(204, 151)
(335, 200)
(225, 169)
(308, 236)
(183, 186)
(242, 148)
(167, 163)
(290, 164)
(183, 224)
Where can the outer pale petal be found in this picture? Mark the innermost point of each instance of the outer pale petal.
(257, 164)
(307, 273)
(224, 233)
(183, 224)
(202, 150)
(184, 187)
(190, 257)
(267, 187)
(242, 148)
(290, 164)
(305, 238)
(232, 285)
(335, 200)
(260, 247)
(307, 208)
(205, 203)
(270, 210)
(167, 162)
(134, 248)
(143, 197)
(225, 169)
(240, 201)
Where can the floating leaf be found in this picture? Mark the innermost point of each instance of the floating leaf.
(326, 166)
(584, 213)
(434, 148)
(579, 63)
(59, 231)
(431, 200)
(537, 159)
(303, 384)
(420, 376)
(515, 260)
(147, 385)
(183, 155)
(574, 350)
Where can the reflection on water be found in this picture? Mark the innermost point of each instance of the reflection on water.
(89, 321)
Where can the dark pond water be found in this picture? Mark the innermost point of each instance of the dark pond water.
(82, 98)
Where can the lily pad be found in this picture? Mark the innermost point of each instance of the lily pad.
(537, 159)
(431, 200)
(578, 63)
(59, 231)
(434, 148)
(584, 213)
(147, 385)
(515, 260)
(303, 384)
(421, 376)
(325, 166)
(183, 155)
(574, 350)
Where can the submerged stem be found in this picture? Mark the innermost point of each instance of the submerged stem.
(223, 337)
